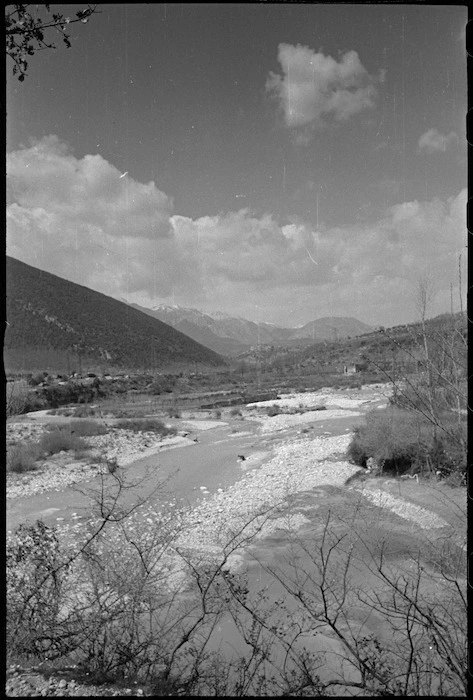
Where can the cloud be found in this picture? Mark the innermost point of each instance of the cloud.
(85, 192)
(313, 86)
(77, 219)
(291, 268)
(433, 141)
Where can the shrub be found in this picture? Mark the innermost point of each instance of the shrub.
(71, 392)
(19, 398)
(37, 379)
(58, 439)
(80, 427)
(34, 403)
(82, 411)
(408, 440)
(149, 425)
(60, 412)
(235, 411)
(55, 395)
(22, 458)
(446, 453)
(273, 410)
(34, 582)
(217, 414)
(396, 436)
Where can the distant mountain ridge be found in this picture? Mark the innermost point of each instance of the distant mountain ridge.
(332, 328)
(231, 335)
(50, 317)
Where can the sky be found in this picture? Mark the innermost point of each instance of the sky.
(279, 162)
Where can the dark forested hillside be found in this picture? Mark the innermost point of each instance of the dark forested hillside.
(51, 317)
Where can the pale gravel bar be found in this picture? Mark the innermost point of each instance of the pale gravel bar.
(283, 421)
(296, 467)
(409, 511)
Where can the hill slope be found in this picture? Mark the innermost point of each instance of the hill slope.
(51, 317)
(331, 328)
(199, 327)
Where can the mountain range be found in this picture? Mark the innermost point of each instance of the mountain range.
(52, 322)
(231, 335)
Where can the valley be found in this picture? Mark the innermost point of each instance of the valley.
(215, 481)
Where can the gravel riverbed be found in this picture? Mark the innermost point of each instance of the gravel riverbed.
(296, 464)
(295, 467)
(64, 469)
(283, 421)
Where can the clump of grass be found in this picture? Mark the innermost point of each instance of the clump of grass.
(146, 425)
(23, 458)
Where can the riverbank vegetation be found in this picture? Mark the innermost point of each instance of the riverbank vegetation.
(425, 429)
(124, 602)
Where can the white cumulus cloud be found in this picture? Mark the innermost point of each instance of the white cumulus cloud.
(313, 86)
(433, 141)
(76, 218)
